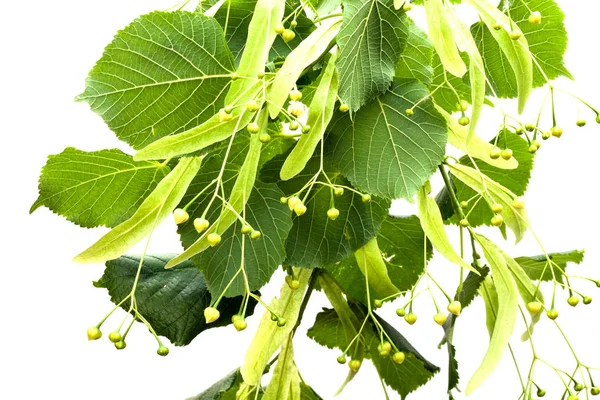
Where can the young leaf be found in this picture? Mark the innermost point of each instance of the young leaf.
(171, 300)
(261, 35)
(371, 264)
(494, 193)
(96, 188)
(307, 52)
(210, 132)
(547, 43)
(320, 112)
(440, 34)
(505, 316)
(385, 152)
(516, 51)
(165, 73)
(269, 337)
(476, 147)
(156, 207)
(538, 268)
(371, 40)
(415, 60)
(282, 385)
(433, 226)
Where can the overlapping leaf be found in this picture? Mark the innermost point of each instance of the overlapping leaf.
(538, 267)
(165, 73)
(171, 300)
(416, 58)
(96, 188)
(371, 39)
(386, 152)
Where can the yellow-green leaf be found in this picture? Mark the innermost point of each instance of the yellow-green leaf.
(440, 34)
(516, 51)
(506, 313)
(157, 206)
(371, 263)
(494, 193)
(433, 226)
(320, 112)
(282, 385)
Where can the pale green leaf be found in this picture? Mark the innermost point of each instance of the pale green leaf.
(307, 52)
(440, 34)
(282, 385)
(269, 337)
(371, 264)
(320, 112)
(505, 315)
(385, 152)
(171, 300)
(494, 193)
(416, 58)
(371, 40)
(156, 207)
(516, 51)
(165, 73)
(433, 226)
(96, 188)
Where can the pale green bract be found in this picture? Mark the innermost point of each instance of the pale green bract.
(371, 264)
(155, 208)
(163, 74)
(96, 188)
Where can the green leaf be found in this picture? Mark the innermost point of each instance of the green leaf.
(328, 330)
(261, 257)
(261, 35)
(547, 43)
(315, 240)
(433, 226)
(515, 180)
(307, 52)
(235, 15)
(156, 207)
(371, 40)
(320, 112)
(163, 74)
(171, 300)
(516, 52)
(505, 316)
(384, 151)
(372, 265)
(269, 337)
(493, 192)
(415, 60)
(440, 34)
(84, 186)
(538, 268)
(307, 393)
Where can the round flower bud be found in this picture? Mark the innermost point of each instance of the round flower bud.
(366, 198)
(506, 154)
(120, 345)
(541, 392)
(94, 333)
(455, 307)
(546, 135)
(573, 301)
(338, 191)
(260, 75)
(581, 123)
(400, 312)
(253, 127)
(211, 314)
(532, 149)
(300, 209)
(115, 336)
(264, 137)
(534, 307)
(409, 112)
(398, 357)
(556, 131)
(535, 18)
(464, 204)
(344, 107)
(213, 239)
(255, 235)
(518, 203)
(497, 220)
(407, 7)
(228, 109)
(377, 303)
(246, 229)
(552, 314)
(223, 116)
(293, 126)
(462, 106)
(201, 224)
(464, 121)
(497, 208)
(529, 127)
(288, 35)
(495, 153)
(294, 284)
(587, 300)
(252, 106)
(515, 35)
(180, 216)
(464, 222)
(384, 348)
(440, 318)
(295, 95)
(497, 26)
(595, 391)
(162, 351)
(410, 318)
(306, 129)
(281, 322)
(240, 324)
(341, 359)
(279, 28)
(293, 201)
(293, 24)
(333, 213)
(354, 365)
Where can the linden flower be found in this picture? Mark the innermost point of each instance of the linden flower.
(296, 108)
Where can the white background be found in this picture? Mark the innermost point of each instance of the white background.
(47, 302)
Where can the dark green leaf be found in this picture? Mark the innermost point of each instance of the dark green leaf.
(165, 73)
(171, 300)
(96, 188)
(416, 58)
(537, 267)
(384, 151)
(223, 389)
(547, 43)
(371, 40)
